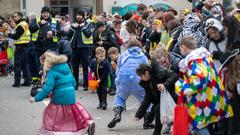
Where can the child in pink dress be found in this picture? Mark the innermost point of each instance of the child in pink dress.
(63, 115)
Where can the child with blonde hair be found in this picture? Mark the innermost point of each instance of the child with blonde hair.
(101, 69)
(63, 115)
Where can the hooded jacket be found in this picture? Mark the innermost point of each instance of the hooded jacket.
(203, 90)
(191, 26)
(217, 48)
(127, 78)
(60, 82)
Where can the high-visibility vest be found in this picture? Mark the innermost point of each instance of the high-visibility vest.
(169, 44)
(53, 27)
(87, 41)
(25, 38)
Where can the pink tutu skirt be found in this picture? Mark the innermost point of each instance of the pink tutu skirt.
(65, 120)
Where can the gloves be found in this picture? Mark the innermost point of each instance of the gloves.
(217, 54)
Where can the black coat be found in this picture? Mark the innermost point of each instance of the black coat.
(43, 43)
(145, 34)
(64, 47)
(75, 34)
(109, 38)
(159, 74)
(102, 71)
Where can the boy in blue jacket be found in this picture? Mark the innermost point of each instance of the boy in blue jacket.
(101, 69)
(127, 81)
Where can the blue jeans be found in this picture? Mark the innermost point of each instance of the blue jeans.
(203, 131)
(122, 96)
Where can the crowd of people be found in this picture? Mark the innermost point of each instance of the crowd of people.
(193, 54)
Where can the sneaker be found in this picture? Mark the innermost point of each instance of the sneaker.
(85, 88)
(104, 107)
(148, 126)
(99, 106)
(91, 129)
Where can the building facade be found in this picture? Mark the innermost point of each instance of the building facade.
(63, 7)
(7, 7)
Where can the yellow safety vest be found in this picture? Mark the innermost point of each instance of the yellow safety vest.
(87, 41)
(25, 38)
(169, 44)
(35, 35)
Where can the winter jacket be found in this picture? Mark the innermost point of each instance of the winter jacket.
(18, 32)
(191, 26)
(159, 74)
(174, 35)
(203, 90)
(43, 43)
(145, 34)
(109, 38)
(152, 41)
(101, 70)
(61, 83)
(217, 48)
(128, 62)
(75, 34)
(64, 47)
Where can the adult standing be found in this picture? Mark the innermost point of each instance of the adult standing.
(21, 37)
(45, 32)
(81, 41)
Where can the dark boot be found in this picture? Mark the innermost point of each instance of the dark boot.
(147, 122)
(99, 106)
(104, 101)
(156, 132)
(117, 116)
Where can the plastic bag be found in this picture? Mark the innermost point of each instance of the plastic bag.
(167, 106)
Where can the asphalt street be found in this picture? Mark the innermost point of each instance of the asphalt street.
(19, 117)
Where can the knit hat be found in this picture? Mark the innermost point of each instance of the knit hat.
(45, 9)
(213, 22)
(80, 12)
(158, 22)
(185, 11)
(136, 17)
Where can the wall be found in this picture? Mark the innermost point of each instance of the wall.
(9, 6)
(34, 6)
